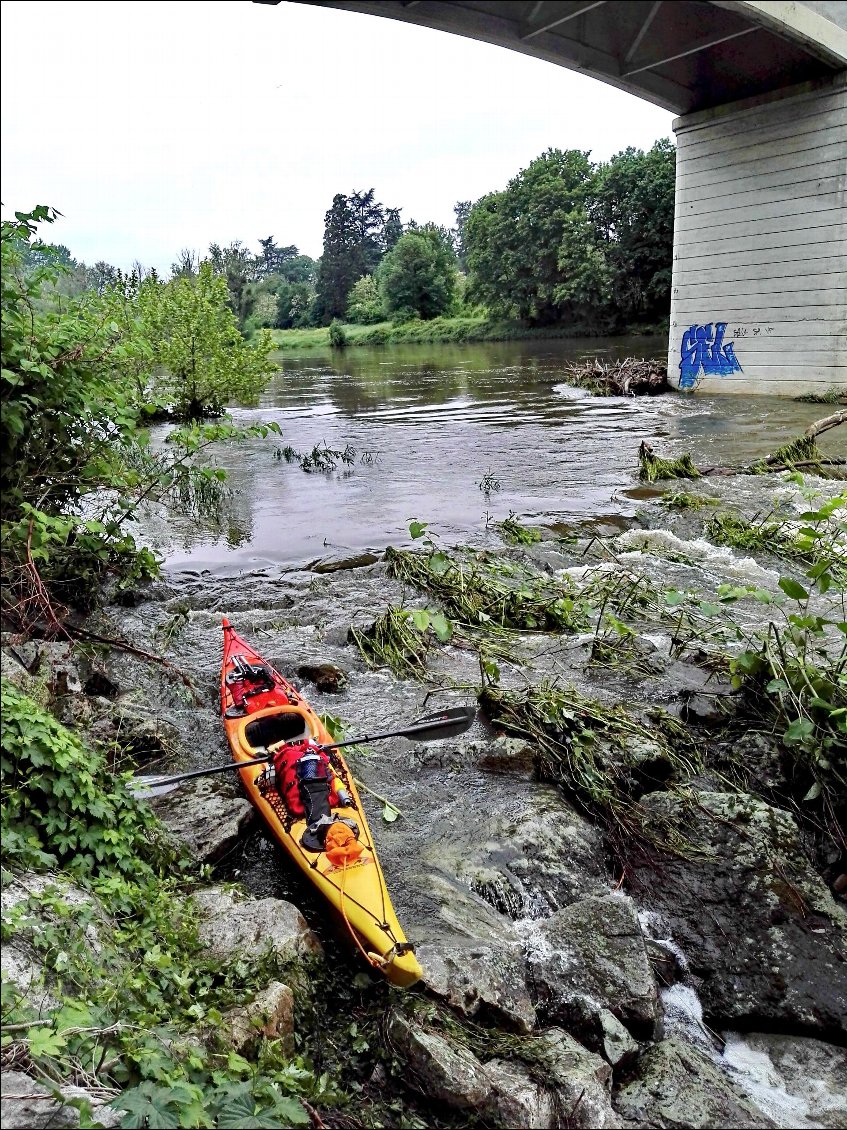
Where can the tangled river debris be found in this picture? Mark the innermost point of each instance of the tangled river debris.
(631, 377)
(802, 454)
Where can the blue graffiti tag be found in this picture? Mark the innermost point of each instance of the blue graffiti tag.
(700, 350)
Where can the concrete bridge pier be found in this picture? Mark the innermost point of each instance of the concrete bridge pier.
(759, 296)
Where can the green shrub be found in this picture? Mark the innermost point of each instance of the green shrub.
(60, 807)
(337, 336)
(364, 306)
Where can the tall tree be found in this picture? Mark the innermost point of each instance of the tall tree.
(365, 306)
(187, 263)
(357, 232)
(338, 269)
(202, 361)
(294, 303)
(299, 269)
(369, 223)
(461, 210)
(393, 227)
(633, 208)
(513, 237)
(417, 278)
(238, 266)
(272, 258)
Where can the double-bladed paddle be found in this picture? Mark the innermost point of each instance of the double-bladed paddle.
(445, 724)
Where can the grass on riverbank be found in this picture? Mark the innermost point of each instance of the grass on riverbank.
(460, 329)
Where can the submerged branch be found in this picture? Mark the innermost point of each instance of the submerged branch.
(801, 453)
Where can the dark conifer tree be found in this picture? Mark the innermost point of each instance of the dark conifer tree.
(358, 231)
(339, 267)
(392, 229)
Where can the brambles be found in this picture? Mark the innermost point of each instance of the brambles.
(796, 673)
(685, 500)
(138, 1001)
(77, 386)
(833, 395)
(394, 640)
(489, 483)
(480, 590)
(817, 537)
(801, 450)
(321, 457)
(631, 377)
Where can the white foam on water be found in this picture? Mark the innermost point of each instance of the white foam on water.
(536, 945)
(665, 545)
(684, 1017)
(754, 1070)
(654, 927)
(750, 1068)
(581, 572)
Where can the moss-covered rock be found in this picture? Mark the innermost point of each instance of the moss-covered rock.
(591, 956)
(677, 1087)
(761, 932)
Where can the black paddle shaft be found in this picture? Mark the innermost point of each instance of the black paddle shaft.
(445, 724)
(177, 778)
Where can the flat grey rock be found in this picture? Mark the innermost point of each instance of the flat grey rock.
(233, 927)
(204, 818)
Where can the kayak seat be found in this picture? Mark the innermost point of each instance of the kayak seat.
(276, 728)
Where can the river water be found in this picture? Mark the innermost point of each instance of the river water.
(454, 435)
(438, 423)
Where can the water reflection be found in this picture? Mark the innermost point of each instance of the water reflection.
(434, 420)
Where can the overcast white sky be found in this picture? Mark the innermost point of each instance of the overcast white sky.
(155, 126)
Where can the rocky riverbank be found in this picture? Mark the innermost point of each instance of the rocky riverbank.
(575, 973)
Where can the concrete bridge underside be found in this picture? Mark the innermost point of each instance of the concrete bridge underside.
(759, 293)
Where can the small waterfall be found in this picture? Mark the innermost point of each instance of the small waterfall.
(789, 1098)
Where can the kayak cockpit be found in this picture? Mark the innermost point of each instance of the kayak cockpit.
(280, 726)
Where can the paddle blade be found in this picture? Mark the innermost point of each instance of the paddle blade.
(146, 787)
(445, 724)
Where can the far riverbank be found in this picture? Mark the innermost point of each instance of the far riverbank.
(460, 329)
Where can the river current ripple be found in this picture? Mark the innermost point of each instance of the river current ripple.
(457, 436)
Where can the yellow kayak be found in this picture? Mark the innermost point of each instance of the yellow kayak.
(308, 799)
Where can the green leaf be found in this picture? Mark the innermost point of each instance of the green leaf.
(822, 704)
(420, 618)
(673, 597)
(793, 588)
(147, 1105)
(237, 1064)
(800, 730)
(814, 792)
(749, 662)
(439, 563)
(241, 1111)
(709, 609)
(417, 529)
(442, 627)
(389, 813)
(43, 1041)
